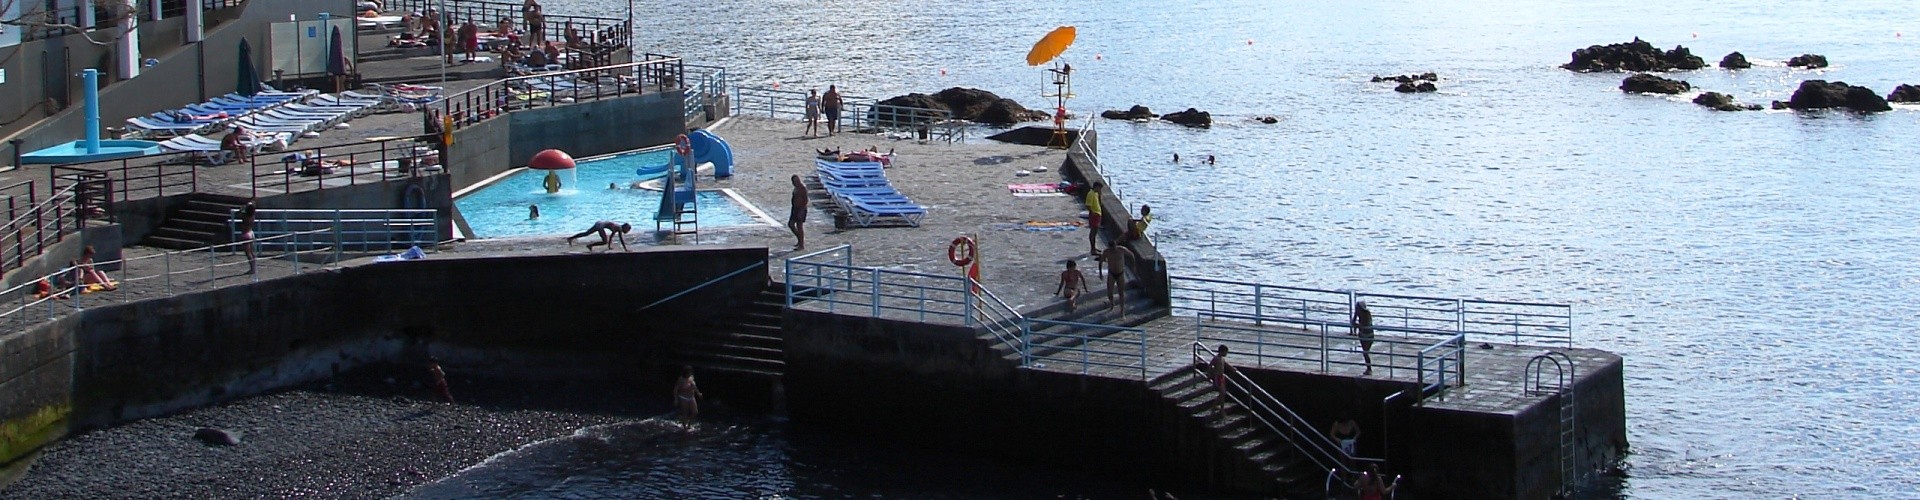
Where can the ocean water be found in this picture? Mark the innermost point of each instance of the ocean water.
(1760, 271)
(500, 209)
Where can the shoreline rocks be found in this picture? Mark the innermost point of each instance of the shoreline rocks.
(1410, 87)
(1821, 94)
(1809, 61)
(1735, 60)
(1723, 102)
(1137, 112)
(1637, 55)
(1408, 78)
(1191, 117)
(1905, 93)
(972, 105)
(1649, 84)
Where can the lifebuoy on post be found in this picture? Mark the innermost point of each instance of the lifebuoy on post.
(683, 146)
(962, 251)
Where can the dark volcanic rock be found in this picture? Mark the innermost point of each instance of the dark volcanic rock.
(1428, 76)
(1820, 94)
(1642, 82)
(1409, 87)
(1137, 112)
(1735, 60)
(1723, 102)
(1809, 61)
(907, 109)
(214, 436)
(1637, 55)
(1905, 93)
(966, 104)
(1191, 117)
(1268, 120)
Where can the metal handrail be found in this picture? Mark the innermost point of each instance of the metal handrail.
(1279, 418)
(1005, 322)
(1480, 320)
(478, 104)
(1321, 337)
(723, 277)
(390, 158)
(14, 241)
(712, 81)
(351, 227)
(861, 112)
(1136, 352)
(73, 292)
(1454, 349)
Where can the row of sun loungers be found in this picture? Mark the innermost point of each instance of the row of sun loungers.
(862, 190)
(273, 119)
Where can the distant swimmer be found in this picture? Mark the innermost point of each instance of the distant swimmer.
(1176, 157)
(611, 185)
(1209, 159)
(686, 398)
(608, 231)
(533, 212)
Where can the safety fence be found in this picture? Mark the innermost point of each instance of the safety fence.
(33, 222)
(556, 88)
(75, 287)
(343, 165)
(600, 33)
(135, 177)
(1439, 360)
(857, 113)
(704, 84)
(350, 230)
(828, 280)
(1281, 341)
(1269, 412)
(1480, 320)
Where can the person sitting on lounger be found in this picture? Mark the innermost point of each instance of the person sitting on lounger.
(608, 231)
(236, 142)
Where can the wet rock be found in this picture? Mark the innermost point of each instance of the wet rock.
(1905, 93)
(1735, 60)
(1809, 61)
(1191, 117)
(1779, 104)
(1821, 94)
(216, 437)
(1408, 78)
(1645, 83)
(1268, 120)
(1723, 102)
(1137, 112)
(1637, 55)
(1408, 88)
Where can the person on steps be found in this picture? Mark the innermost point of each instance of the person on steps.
(608, 231)
(686, 399)
(1118, 260)
(1072, 284)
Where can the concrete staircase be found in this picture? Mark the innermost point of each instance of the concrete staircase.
(1092, 310)
(1239, 448)
(199, 222)
(746, 341)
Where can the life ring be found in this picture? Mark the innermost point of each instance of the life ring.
(416, 197)
(683, 145)
(962, 251)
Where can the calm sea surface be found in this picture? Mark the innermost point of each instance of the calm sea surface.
(1760, 271)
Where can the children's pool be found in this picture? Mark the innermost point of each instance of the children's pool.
(499, 209)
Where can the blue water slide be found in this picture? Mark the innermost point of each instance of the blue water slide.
(707, 148)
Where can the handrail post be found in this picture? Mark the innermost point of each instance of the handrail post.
(1460, 352)
(1324, 365)
(1460, 316)
(876, 292)
(787, 271)
(166, 261)
(966, 303)
(1026, 342)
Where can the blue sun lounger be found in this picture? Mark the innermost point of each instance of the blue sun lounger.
(865, 213)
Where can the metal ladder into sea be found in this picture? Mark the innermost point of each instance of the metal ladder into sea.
(1560, 382)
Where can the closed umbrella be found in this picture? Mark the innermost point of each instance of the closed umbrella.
(249, 79)
(1050, 46)
(337, 60)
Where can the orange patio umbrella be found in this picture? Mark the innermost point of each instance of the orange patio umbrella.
(1050, 46)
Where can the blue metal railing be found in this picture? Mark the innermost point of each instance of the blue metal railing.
(1481, 320)
(723, 277)
(703, 84)
(1089, 344)
(1276, 416)
(352, 230)
(68, 292)
(843, 288)
(1440, 359)
(1006, 324)
(856, 112)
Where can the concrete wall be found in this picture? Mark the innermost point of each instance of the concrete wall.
(375, 195)
(591, 128)
(1151, 268)
(489, 316)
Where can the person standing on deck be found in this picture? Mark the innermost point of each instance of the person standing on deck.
(830, 103)
(247, 214)
(797, 215)
(686, 399)
(1363, 328)
(1118, 259)
(1093, 217)
(1217, 374)
(813, 113)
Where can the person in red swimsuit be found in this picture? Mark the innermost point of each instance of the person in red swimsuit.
(1371, 486)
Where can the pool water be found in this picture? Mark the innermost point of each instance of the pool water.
(499, 210)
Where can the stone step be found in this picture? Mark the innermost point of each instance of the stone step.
(171, 243)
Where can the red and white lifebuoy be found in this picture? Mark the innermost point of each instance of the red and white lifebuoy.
(962, 251)
(683, 145)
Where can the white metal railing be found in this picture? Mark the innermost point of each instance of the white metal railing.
(856, 112)
(351, 230)
(1270, 412)
(703, 84)
(1087, 344)
(1441, 359)
(829, 279)
(1481, 320)
(68, 286)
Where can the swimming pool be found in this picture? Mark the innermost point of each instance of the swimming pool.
(499, 209)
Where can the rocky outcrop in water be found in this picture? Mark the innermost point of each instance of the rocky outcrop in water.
(1410, 87)
(1191, 117)
(973, 105)
(1905, 93)
(1137, 112)
(1735, 60)
(1821, 94)
(1645, 83)
(1408, 78)
(1809, 61)
(1637, 55)
(1723, 102)
(1267, 120)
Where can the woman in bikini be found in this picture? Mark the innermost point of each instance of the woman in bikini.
(686, 398)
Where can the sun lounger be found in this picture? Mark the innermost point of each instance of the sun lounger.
(865, 214)
(156, 127)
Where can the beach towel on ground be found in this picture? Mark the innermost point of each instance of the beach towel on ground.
(1048, 189)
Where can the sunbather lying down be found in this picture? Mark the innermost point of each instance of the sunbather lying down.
(872, 153)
